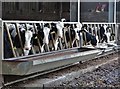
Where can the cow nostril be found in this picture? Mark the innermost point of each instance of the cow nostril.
(26, 48)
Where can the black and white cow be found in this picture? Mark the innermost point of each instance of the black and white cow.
(43, 31)
(26, 34)
(7, 47)
(88, 37)
(71, 35)
(104, 33)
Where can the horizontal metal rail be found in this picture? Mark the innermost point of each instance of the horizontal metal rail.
(96, 23)
(43, 54)
(33, 22)
(17, 21)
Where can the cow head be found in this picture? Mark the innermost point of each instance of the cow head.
(28, 38)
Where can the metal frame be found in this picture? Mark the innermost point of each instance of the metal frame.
(79, 10)
(16, 22)
(1, 39)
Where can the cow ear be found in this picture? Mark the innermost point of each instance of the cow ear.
(22, 29)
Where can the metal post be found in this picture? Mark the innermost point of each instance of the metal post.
(118, 35)
(9, 37)
(80, 40)
(111, 11)
(1, 46)
(1, 52)
(115, 11)
(39, 45)
(78, 10)
(18, 32)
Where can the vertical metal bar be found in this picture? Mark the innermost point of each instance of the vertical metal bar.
(1, 40)
(19, 36)
(114, 29)
(85, 42)
(9, 37)
(115, 11)
(69, 31)
(78, 10)
(65, 41)
(39, 45)
(116, 32)
(1, 52)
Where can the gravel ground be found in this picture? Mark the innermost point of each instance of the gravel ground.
(104, 76)
(107, 75)
(102, 72)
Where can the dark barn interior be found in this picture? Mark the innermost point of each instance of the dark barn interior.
(54, 11)
(35, 10)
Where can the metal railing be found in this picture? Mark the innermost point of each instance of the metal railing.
(64, 44)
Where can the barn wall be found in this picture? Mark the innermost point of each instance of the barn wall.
(35, 10)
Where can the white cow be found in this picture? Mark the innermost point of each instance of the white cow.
(60, 27)
(46, 32)
(25, 36)
(77, 29)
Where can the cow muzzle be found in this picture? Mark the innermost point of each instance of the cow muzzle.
(27, 48)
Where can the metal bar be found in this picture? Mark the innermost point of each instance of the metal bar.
(1, 52)
(65, 41)
(1, 39)
(115, 1)
(69, 30)
(39, 45)
(85, 42)
(19, 36)
(17, 21)
(97, 23)
(9, 37)
(60, 41)
(79, 11)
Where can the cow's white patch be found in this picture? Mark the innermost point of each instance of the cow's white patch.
(27, 46)
(56, 44)
(46, 31)
(60, 26)
(12, 28)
